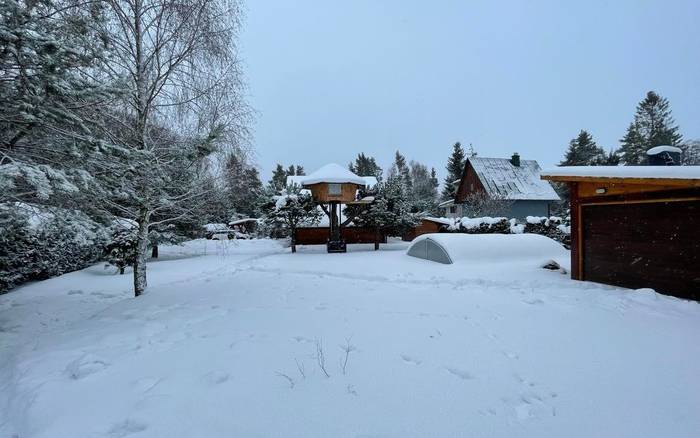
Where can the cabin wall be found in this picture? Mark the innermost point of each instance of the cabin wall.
(424, 227)
(319, 235)
(320, 193)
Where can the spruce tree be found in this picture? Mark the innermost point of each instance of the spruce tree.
(455, 167)
(365, 165)
(653, 125)
(279, 179)
(583, 151)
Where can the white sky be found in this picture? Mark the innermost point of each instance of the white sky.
(331, 79)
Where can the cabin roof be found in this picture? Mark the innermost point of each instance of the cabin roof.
(503, 180)
(332, 173)
(667, 175)
(298, 180)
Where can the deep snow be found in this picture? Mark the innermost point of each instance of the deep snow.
(494, 350)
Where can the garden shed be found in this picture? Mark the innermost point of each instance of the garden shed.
(635, 226)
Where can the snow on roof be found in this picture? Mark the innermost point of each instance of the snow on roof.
(334, 174)
(438, 220)
(242, 221)
(295, 180)
(448, 203)
(370, 181)
(621, 172)
(660, 149)
(504, 180)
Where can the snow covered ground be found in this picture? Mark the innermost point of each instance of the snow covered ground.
(226, 344)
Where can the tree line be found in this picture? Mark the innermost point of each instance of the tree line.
(653, 125)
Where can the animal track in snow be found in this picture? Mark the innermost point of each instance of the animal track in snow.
(462, 374)
(410, 360)
(125, 428)
(217, 377)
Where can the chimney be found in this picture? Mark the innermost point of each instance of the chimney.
(515, 160)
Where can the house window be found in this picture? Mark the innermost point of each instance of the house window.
(335, 189)
(453, 209)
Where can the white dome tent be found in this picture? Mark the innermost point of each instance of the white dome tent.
(451, 248)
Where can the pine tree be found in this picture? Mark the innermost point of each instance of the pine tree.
(279, 179)
(423, 192)
(691, 153)
(365, 165)
(583, 151)
(243, 186)
(653, 125)
(400, 169)
(455, 168)
(291, 209)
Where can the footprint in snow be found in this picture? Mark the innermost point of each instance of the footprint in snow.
(533, 301)
(217, 377)
(146, 384)
(85, 366)
(75, 292)
(462, 374)
(125, 428)
(410, 360)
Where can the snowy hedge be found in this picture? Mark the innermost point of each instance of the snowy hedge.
(36, 244)
(553, 227)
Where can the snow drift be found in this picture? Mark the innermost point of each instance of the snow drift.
(451, 248)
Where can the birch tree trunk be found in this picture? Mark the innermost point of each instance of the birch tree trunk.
(140, 282)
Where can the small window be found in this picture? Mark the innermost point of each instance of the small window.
(335, 189)
(453, 209)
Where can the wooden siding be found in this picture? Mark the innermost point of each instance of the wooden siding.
(424, 227)
(654, 244)
(637, 237)
(469, 184)
(319, 235)
(320, 193)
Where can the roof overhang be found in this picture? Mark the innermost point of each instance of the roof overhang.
(680, 176)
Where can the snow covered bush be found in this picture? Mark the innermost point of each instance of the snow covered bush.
(553, 227)
(37, 243)
(291, 209)
(481, 225)
(120, 252)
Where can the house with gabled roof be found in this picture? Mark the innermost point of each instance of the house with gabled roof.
(513, 183)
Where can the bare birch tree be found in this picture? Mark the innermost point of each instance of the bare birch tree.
(176, 60)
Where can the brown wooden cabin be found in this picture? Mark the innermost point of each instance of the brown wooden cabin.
(425, 226)
(320, 235)
(636, 228)
(325, 193)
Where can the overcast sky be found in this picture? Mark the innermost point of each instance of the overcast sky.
(330, 79)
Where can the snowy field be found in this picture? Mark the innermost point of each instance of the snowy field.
(226, 343)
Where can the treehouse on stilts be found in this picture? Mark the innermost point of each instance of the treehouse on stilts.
(331, 186)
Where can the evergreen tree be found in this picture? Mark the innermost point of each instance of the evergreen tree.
(455, 168)
(291, 209)
(243, 186)
(365, 165)
(423, 193)
(653, 125)
(583, 151)
(279, 179)
(400, 169)
(691, 153)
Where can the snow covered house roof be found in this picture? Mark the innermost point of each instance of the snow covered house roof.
(677, 175)
(504, 180)
(334, 174)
